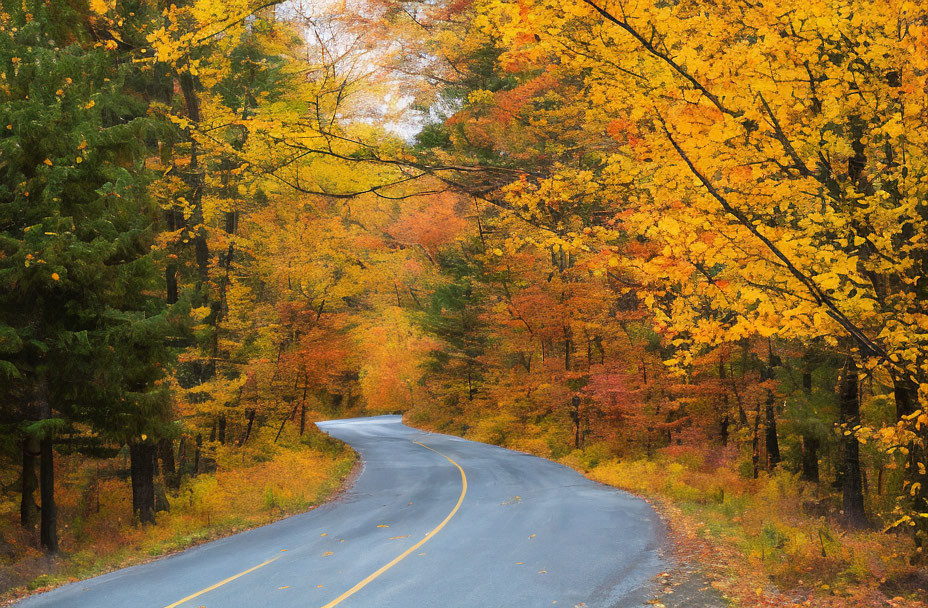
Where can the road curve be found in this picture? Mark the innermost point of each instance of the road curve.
(432, 521)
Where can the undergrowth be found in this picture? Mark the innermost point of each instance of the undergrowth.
(251, 486)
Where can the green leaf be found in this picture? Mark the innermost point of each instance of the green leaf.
(8, 370)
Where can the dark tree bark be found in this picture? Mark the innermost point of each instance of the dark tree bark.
(181, 457)
(142, 469)
(196, 455)
(810, 447)
(284, 422)
(49, 527)
(250, 417)
(175, 220)
(303, 403)
(852, 498)
(168, 469)
(575, 418)
(28, 509)
(724, 423)
(195, 180)
(725, 420)
(755, 444)
(906, 395)
(810, 443)
(567, 347)
(772, 441)
(770, 421)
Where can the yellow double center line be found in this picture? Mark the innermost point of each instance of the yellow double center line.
(367, 580)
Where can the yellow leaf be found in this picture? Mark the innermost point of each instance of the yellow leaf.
(99, 7)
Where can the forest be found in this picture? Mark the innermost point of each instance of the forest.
(680, 246)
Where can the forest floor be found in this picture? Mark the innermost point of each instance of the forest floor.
(769, 542)
(251, 486)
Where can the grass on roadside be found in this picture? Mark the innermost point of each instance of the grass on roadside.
(251, 486)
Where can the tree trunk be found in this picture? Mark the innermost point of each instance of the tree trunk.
(168, 470)
(142, 468)
(181, 457)
(28, 509)
(195, 181)
(725, 420)
(773, 444)
(810, 447)
(852, 497)
(906, 395)
(196, 455)
(250, 415)
(283, 423)
(575, 418)
(49, 528)
(567, 347)
(174, 221)
(810, 443)
(771, 441)
(755, 444)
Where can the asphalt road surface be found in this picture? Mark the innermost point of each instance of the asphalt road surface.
(432, 521)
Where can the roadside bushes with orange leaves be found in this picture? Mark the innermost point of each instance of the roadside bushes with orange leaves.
(751, 532)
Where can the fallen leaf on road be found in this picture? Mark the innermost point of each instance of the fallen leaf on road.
(328, 553)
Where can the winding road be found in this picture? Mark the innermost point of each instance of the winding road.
(432, 521)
